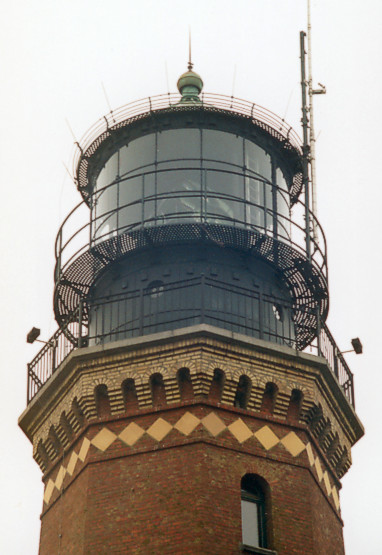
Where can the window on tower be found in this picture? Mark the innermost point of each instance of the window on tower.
(253, 515)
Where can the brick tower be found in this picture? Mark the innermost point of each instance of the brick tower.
(193, 400)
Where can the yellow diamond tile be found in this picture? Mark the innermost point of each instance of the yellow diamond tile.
(293, 444)
(187, 423)
(84, 449)
(48, 491)
(159, 429)
(336, 498)
(317, 465)
(60, 477)
(72, 463)
(103, 439)
(240, 430)
(327, 483)
(131, 434)
(267, 438)
(213, 424)
(310, 454)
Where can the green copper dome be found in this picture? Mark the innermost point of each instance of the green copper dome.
(190, 85)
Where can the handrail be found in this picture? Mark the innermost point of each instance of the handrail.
(318, 254)
(58, 348)
(337, 362)
(52, 354)
(114, 119)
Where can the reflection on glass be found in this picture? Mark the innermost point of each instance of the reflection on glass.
(255, 202)
(130, 202)
(105, 201)
(148, 180)
(179, 194)
(268, 220)
(149, 212)
(109, 172)
(230, 209)
(169, 190)
(250, 523)
(179, 144)
(282, 204)
(225, 183)
(178, 181)
(130, 190)
(257, 160)
(105, 227)
(225, 147)
(280, 179)
(137, 154)
(177, 209)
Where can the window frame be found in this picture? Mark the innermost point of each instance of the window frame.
(257, 499)
(254, 489)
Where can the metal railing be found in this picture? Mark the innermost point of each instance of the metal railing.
(81, 230)
(327, 348)
(84, 248)
(54, 353)
(96, 134)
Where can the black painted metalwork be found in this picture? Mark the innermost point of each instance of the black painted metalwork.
(192, 174)
(218, 180)
(305, 145)
(55, 352)
(241, 114)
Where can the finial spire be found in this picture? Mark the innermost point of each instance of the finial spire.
(190, 84)
(190, 64)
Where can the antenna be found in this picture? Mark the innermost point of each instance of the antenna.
(312, 138)
(287, 106)
(71, 130)
(233, 81)
(305, 148)
(167, 82)
(190, 64)
(69, 174)
(74, 137)
(107, 100)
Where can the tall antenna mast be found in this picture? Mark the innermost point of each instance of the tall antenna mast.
(305, 146)
(312, 137)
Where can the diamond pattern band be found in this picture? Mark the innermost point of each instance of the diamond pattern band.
(186, 425)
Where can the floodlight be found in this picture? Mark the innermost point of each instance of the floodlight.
(357, 345)
(33, 335)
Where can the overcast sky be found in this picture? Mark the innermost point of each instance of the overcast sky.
(54, 57)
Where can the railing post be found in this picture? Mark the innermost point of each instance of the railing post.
(335, 361)
(141, 310)
(28, 383)
(80, 317)
(261, 314)
(202, 284)
(92, 215)
(57, 275)
(53, 347)
(319, 352)
(352, 391)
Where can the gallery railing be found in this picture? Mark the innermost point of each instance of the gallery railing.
(117, 118)
(82, 230)
(77, 333)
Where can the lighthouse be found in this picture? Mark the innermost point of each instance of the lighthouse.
(193, 399)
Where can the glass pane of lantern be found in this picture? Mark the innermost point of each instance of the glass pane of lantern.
(137, 154)
(224, 147)
(257, 160)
